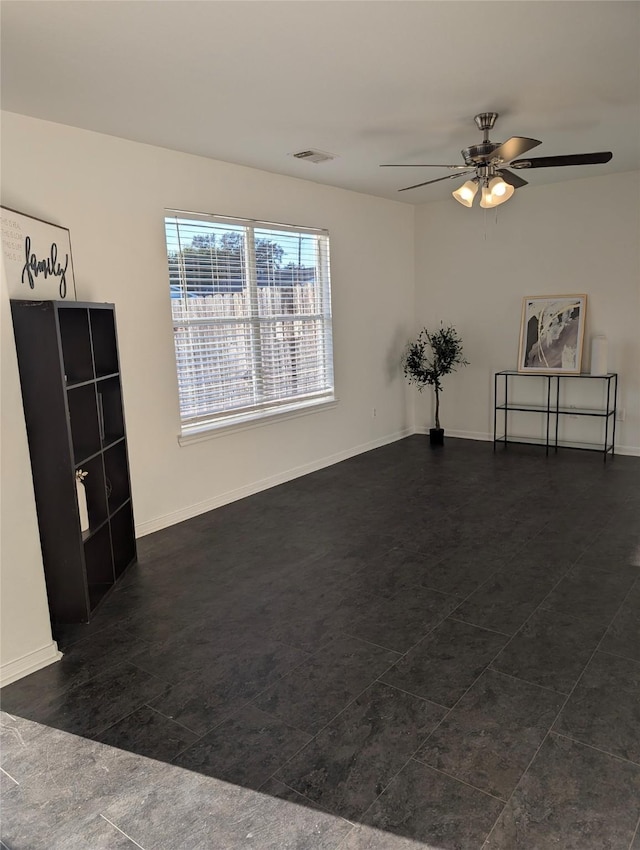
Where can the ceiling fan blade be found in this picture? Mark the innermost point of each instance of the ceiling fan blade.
(437, 180)
(421, 165)
(512, 179)
(569, 159)
(513, 147)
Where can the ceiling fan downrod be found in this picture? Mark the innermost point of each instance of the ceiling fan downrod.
(485, 121)
(475, 155)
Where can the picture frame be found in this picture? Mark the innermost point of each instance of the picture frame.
(552, 334)
(37, 258)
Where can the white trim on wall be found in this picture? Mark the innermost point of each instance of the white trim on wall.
(29, 663)
(218, 501)
(631, 451)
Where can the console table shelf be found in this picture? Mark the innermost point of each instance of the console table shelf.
(552, 411)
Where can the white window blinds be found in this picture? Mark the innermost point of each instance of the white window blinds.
(251, 309)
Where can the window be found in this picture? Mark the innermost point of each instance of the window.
(251, 313)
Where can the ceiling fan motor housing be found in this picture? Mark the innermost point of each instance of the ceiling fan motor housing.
(479, 154)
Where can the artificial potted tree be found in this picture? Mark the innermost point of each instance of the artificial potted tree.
(428, 360)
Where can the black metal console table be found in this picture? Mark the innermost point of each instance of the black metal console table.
(552, 411)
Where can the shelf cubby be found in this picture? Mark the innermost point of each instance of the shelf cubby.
(116, 475)
(105, 351)
(110, 410)
(94, 485)
(75, 342)
(122, 538)
(85, 425)
(98, 558)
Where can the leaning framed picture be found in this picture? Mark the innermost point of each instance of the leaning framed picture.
(552, 333)
(37, 258)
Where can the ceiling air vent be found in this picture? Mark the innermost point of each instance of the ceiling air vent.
(314, 156)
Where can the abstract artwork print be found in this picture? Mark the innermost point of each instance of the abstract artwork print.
(552, 333)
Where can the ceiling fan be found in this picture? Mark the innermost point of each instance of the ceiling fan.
(488, 162)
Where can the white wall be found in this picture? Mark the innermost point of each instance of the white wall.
(473, 268)
(111, 194)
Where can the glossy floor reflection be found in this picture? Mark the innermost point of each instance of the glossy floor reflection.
(410, 649)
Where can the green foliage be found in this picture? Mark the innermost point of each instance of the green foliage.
(430, 357)
(213, 258)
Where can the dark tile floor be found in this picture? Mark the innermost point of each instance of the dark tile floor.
(410, 649)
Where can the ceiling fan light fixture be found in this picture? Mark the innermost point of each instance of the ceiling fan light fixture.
(498, 187)
(495, 192)
(466, 193)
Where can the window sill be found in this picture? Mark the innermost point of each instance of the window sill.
(222, 429)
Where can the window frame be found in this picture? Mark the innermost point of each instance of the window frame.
(213, 422)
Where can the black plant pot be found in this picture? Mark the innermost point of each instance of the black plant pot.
(436, 436)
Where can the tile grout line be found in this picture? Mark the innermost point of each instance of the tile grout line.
(164, 717)
(335, 717)
(356, 697)
(555, 720)
(462, 696)
(6, 772)
(379, 679)
(371, 643)
(314, 736)
(526, 681)
(541, 606)
(249, 701)
(375, 800)
(412, 757)
(584, 668)
(507, 561)
(122, 831)
(232, 714)
(129, 714)
(635, 832)
(476, 626)
(137, 707)
(457, 779)
(592, 747)
(312, 804)
(617, 654)
(410, 694)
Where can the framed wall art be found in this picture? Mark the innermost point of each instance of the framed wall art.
(552, 333)
(37, 258)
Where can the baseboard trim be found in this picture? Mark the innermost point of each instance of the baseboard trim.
(29, 663)
(630, 451)
(463, 435)
(144, 528)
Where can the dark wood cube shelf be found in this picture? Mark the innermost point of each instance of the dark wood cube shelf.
(72, 397)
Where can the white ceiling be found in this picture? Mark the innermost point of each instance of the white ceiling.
(372, 81)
